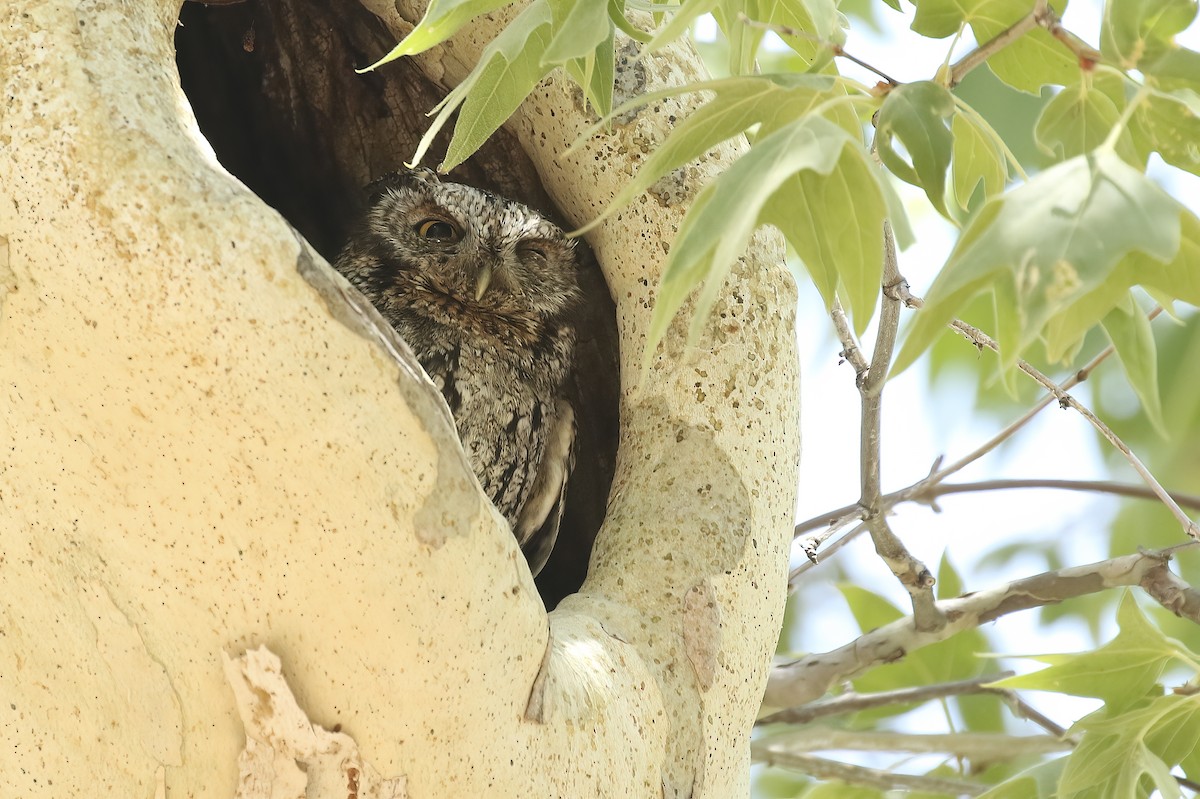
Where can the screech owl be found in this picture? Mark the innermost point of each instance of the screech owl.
(482, 288)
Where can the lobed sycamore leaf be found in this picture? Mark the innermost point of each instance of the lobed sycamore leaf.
(680, 22)
(818, 18)
(1170, 122)
(977, 160)
(595, 73)
(917, 115)
(442, 20)
(1123, 672)
(1037, 782)
(1137, 31)
(1077, 120)
(955, 658)
(1045, 245)
(1129, 331)
(1126, 754)
(1177, 279)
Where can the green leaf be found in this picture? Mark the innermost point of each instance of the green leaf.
(580, 26)
(955, 658)
(949, 582)
(595, 74)
(724, 215)
(1124, 754)
(507, 71)
(1171, 123)
(442, 20)
(1077, 120)
(1038, 782)
(1134, 31)
(835, 224)
(1129, 331)
(740, 103)
(977, 159)
(1122, 672)
(1177, 279)
(680, 22)
(1033, 60)
(1046, 244)
(819, 18)
(917, 114)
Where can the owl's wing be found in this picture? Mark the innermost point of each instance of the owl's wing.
(537, 526)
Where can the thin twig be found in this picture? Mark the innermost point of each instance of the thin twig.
(1026, 711)
(825, 769)
(851, 350)
(854, 702)
(787, 30)
(924, 492)
(1065, 400)
(973, 746)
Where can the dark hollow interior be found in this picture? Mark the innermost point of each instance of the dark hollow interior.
(273, 86)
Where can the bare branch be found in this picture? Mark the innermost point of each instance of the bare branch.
(978, 747)
(911, 572)
(852, 702)
(808, 678)
(825, 769)
(924, 492)
(850, 348)
(1026, 711)
(1172, 593)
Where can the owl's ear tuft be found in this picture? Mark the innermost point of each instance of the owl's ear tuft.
(421, 177)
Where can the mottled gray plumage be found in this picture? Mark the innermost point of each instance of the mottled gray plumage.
(482, 288)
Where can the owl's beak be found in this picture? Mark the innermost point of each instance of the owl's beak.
(483, 280)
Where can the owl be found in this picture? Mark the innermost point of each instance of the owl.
(483, 289)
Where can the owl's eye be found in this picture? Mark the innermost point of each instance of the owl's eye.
(533, 249)
(436, 229)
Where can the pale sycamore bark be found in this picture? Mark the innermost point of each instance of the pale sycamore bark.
(210, 447)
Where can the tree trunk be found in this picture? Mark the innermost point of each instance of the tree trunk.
(212, 445)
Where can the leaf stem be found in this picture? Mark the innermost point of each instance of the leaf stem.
(837, 49)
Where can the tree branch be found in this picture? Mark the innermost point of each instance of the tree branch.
(925, 492)
(809, 677)
(979, 747)
(852, 702)
(825, 769)
(1043, 16)
(910, 571)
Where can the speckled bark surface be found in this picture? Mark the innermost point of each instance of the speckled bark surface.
(209, 449)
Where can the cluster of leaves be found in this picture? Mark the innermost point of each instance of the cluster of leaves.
(1129, 746)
